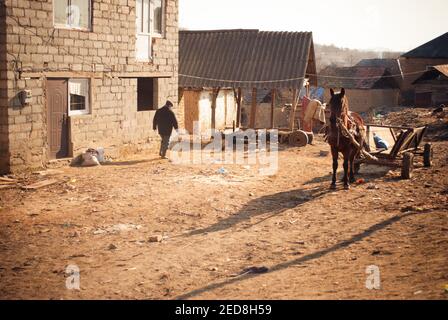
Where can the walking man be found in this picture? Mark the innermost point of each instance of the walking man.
(165, 121)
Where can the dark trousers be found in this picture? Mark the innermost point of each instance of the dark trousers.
(164, 145)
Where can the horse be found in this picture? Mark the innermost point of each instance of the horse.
(339, 140)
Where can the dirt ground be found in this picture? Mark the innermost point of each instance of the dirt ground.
(316, 242)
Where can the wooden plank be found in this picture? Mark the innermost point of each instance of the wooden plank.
(215, 96)
(6, 179)
(292, 114)
(253, 109)
(40, 184)
(7, 186)
(157, 74)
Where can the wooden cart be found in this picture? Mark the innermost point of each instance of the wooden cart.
(406, 146)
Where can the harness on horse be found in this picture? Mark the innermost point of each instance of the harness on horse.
(341, 131)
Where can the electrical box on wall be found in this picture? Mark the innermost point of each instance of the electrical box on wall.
(25, 97)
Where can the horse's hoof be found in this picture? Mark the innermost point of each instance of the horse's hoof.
(347, 187)
(333, 186)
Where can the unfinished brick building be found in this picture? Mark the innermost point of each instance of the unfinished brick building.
(83, 73)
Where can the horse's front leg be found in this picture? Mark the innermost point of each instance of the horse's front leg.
(352, 166)
(335, 155)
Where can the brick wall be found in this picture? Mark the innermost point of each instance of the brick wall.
(364, 100)
(103, 55)
(4, 135)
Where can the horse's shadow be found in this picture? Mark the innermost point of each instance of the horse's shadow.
(264, 207)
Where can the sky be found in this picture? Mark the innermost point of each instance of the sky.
(397, 25)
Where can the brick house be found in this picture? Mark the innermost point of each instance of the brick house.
(366, 87)
(419, 60)
(83, 73)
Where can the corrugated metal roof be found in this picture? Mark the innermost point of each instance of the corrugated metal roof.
(391, 65)
(356, 77)
(244, 58)
(434, 49)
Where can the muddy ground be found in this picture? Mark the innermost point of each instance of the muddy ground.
(316, 243)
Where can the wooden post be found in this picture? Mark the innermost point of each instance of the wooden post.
(273, 93)
(238, 107)
(292, 114)
(214, 97)
(253, 109)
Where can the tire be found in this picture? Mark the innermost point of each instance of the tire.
(427, 155)
(407, 166)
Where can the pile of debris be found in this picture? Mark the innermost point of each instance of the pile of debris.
(435, 119)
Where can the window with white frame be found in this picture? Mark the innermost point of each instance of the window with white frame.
(72, 14)
(157, 14)
(78, 97)
(150, 17)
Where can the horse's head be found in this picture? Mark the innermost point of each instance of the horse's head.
(337, 102)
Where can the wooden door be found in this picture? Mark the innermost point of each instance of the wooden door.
(57, 118)
(191, 109)
(423, 99)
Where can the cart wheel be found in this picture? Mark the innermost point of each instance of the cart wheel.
(310, 137)
(298, 138)
(407, 166)
(427, 155)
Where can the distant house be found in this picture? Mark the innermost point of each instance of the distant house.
(431, 88)
(232, 78)
(415, 62)
(391, 65)
(366, 87)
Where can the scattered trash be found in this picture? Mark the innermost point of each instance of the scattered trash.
(418, 292)
(407, 209)
(157, 238)
(360, 181)
(214, 269)
(252, 270)
(40, 184)
(121, 227)
(251, 194)
(88, 158)
(372, 187)
(222, 171)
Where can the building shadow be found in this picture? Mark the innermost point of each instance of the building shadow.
(4, 121)
(264, 207)
(306, 258)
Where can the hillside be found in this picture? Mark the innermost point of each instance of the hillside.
(327, 55)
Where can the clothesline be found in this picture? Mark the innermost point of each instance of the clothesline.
(301, 78)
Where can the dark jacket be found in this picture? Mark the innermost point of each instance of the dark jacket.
(165, 121)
